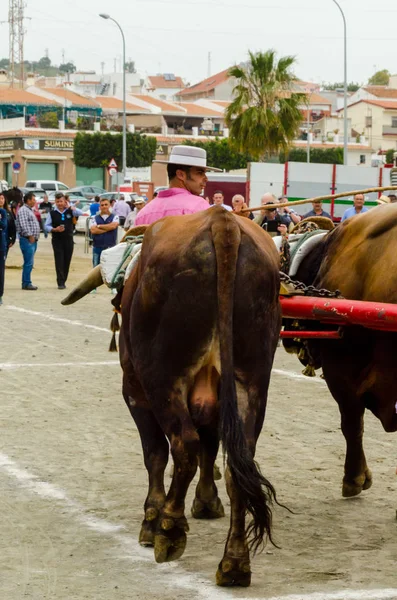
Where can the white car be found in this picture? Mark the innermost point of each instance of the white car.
(81, 225)
(47, 185)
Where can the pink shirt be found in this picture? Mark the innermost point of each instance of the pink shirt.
(170, 203)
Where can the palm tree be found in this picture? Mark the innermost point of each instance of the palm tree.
(266, 112)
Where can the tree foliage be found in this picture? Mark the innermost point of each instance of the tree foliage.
(390, 156)
(265, 114)
(130, 66)
(220, 154)
(351, 87)
(68, 67)
(331, 156)
(96, 150)
(380, 78)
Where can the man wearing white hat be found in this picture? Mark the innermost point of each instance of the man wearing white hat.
(186, 170)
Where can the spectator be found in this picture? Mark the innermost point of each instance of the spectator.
(60, 223)
(218, 199)
(317, 211)
(271, 221)
(130, 220)
(44, 208)
(121, 209)
(3, 243)
(28, 229)
(15, 200)
(186, 168)
(357, 208)
(393, 198)
(11, 230)
(94, 207)
(103, 227)
(295, 218)
(238, 202)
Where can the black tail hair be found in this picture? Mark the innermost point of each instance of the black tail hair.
(255, 490)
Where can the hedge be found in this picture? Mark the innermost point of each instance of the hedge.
(331, 156)
(97, 149)
(221, 155)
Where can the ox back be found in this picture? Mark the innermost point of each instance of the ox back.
(201, 320)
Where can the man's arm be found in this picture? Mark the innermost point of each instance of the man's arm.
(77, 212)
(108, 226)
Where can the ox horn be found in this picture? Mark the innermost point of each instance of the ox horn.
(91, 282)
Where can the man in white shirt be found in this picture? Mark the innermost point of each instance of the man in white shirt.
(218, 200)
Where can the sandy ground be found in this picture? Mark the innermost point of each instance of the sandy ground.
(73, 483)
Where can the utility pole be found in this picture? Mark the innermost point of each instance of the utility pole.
(16, 39)
(209, 65)
(63, 56)
(102, 68)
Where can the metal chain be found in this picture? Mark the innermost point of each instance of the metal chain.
(309, 290)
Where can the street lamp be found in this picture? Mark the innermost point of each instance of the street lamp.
(345, 86)
(105, 16)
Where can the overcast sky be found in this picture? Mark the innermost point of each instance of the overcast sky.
(175, 36)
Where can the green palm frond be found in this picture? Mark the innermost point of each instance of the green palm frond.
(265, 115)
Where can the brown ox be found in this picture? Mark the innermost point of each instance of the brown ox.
(200, 323)
(358, 258)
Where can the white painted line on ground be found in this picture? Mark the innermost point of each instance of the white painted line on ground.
(196, 584)
(56, 319)
(13, 366)
(385, 594)
(293, 375)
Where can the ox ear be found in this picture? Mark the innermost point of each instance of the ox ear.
(91, 282)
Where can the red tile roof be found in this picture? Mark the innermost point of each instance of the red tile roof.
(317, 99)
(386, 104)
(381, 91)
(165, 106)
(206, 85)
(74, 98)
(158, 81)
(196, 110)
(13, 96)
(38, 133)
(111, 103)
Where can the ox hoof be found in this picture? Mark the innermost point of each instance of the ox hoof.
(208, 510)
(148, 528)
(170, 539)
(355, 487)
(233, 572)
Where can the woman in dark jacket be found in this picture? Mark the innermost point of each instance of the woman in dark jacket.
(12, 230)
(3, 244)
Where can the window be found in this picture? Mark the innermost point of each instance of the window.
(62, 187)
(362, 159)
(368, 121)
(394, 122)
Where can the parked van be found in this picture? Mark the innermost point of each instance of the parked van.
(47, 185)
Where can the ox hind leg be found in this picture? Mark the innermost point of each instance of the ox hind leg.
(203, 407)
(174, 419)
(344, 388)
(234, 568)
(155, 453)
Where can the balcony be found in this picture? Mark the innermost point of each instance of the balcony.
(389, 130)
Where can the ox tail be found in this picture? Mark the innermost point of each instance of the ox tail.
(255, 491)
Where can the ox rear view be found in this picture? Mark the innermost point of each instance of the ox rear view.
(200, 325)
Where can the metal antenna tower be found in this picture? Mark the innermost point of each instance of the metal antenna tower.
(17, 32)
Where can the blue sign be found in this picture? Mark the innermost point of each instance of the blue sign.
(16, 166)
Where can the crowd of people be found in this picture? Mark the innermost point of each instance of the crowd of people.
(22, 218)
